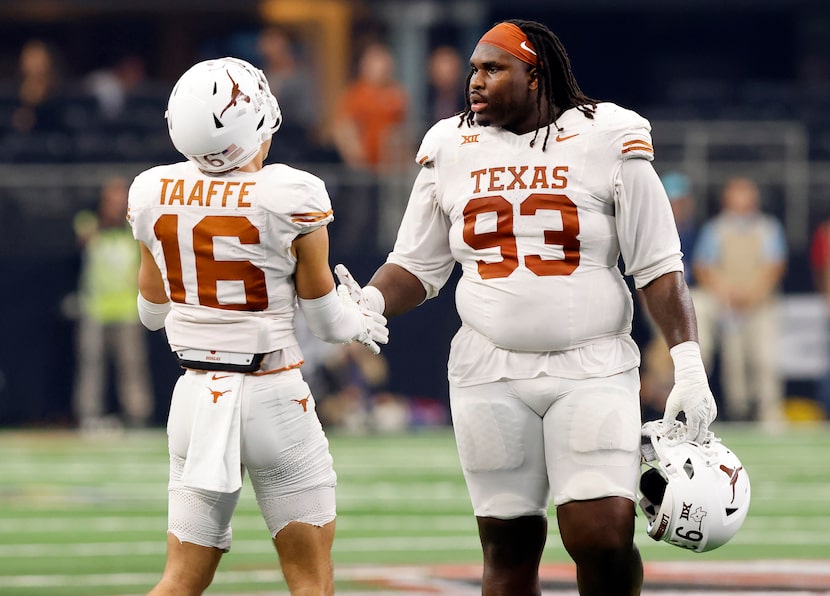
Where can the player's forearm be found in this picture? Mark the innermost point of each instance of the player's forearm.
(670, 305)
(401, 290)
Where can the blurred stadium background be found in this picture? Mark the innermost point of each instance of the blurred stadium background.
(731, 87)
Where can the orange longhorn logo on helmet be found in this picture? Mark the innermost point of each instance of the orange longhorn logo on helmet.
(236, 93)
(733, 477)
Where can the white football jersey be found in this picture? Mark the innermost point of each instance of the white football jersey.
(539, 235)
(223, 245)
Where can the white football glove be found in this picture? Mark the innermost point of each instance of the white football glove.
(368, 297)
(374, 330)
(691, 392)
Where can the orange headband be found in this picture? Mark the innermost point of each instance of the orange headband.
(512, 40)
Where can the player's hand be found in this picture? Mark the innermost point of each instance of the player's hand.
(345, 278)
(368, 297)
(697, 402)
(691, 393)
(373, 325)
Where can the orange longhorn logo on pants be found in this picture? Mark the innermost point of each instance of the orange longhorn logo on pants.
(217, 394)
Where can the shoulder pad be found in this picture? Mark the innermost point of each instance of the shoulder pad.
(309, 203)
(441, 134)
(628, 132)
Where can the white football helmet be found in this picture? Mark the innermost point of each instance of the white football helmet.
(220, 112)
(694, 495)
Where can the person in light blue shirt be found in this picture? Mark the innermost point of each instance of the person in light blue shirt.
(739, 261)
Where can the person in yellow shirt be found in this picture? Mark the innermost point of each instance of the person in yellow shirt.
(108, 328)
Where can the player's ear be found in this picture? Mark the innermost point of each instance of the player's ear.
(533, 78)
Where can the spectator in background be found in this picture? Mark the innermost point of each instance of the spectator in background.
(294, 87)
(351, 389)
(369, 137)
(371, 113)
(446, 83)
(820, 263)
(679, 190)
(739, 262)
(358, 400)
(40, 80)
(112, 86)
(109, 330)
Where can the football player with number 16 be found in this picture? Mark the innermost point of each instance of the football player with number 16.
(230, 248)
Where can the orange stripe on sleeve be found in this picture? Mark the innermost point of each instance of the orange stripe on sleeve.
(637, 146)
(637, 142)
(310, 217)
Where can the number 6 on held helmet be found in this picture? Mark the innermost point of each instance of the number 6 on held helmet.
(220, 112)
(694, 495)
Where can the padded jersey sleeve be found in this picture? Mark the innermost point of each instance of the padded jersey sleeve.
(629, 134)
(423, 245)
(311, 208)
(295, 196)
(140, 197)
(431, 143)
(636, 143)
(649, 243)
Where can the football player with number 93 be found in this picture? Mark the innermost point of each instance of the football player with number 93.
(536, 190)
(229, 248)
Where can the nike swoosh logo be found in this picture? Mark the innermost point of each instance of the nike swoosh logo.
(526, 47)
(216, 377)
(560, 138)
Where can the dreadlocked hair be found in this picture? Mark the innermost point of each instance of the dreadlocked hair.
(557, 84)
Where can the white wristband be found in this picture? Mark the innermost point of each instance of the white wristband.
(150, 314)
(688, 363)
(329, 320)
(374, 299)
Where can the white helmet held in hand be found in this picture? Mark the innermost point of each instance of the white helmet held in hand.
(694, 495)
(220, 112)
